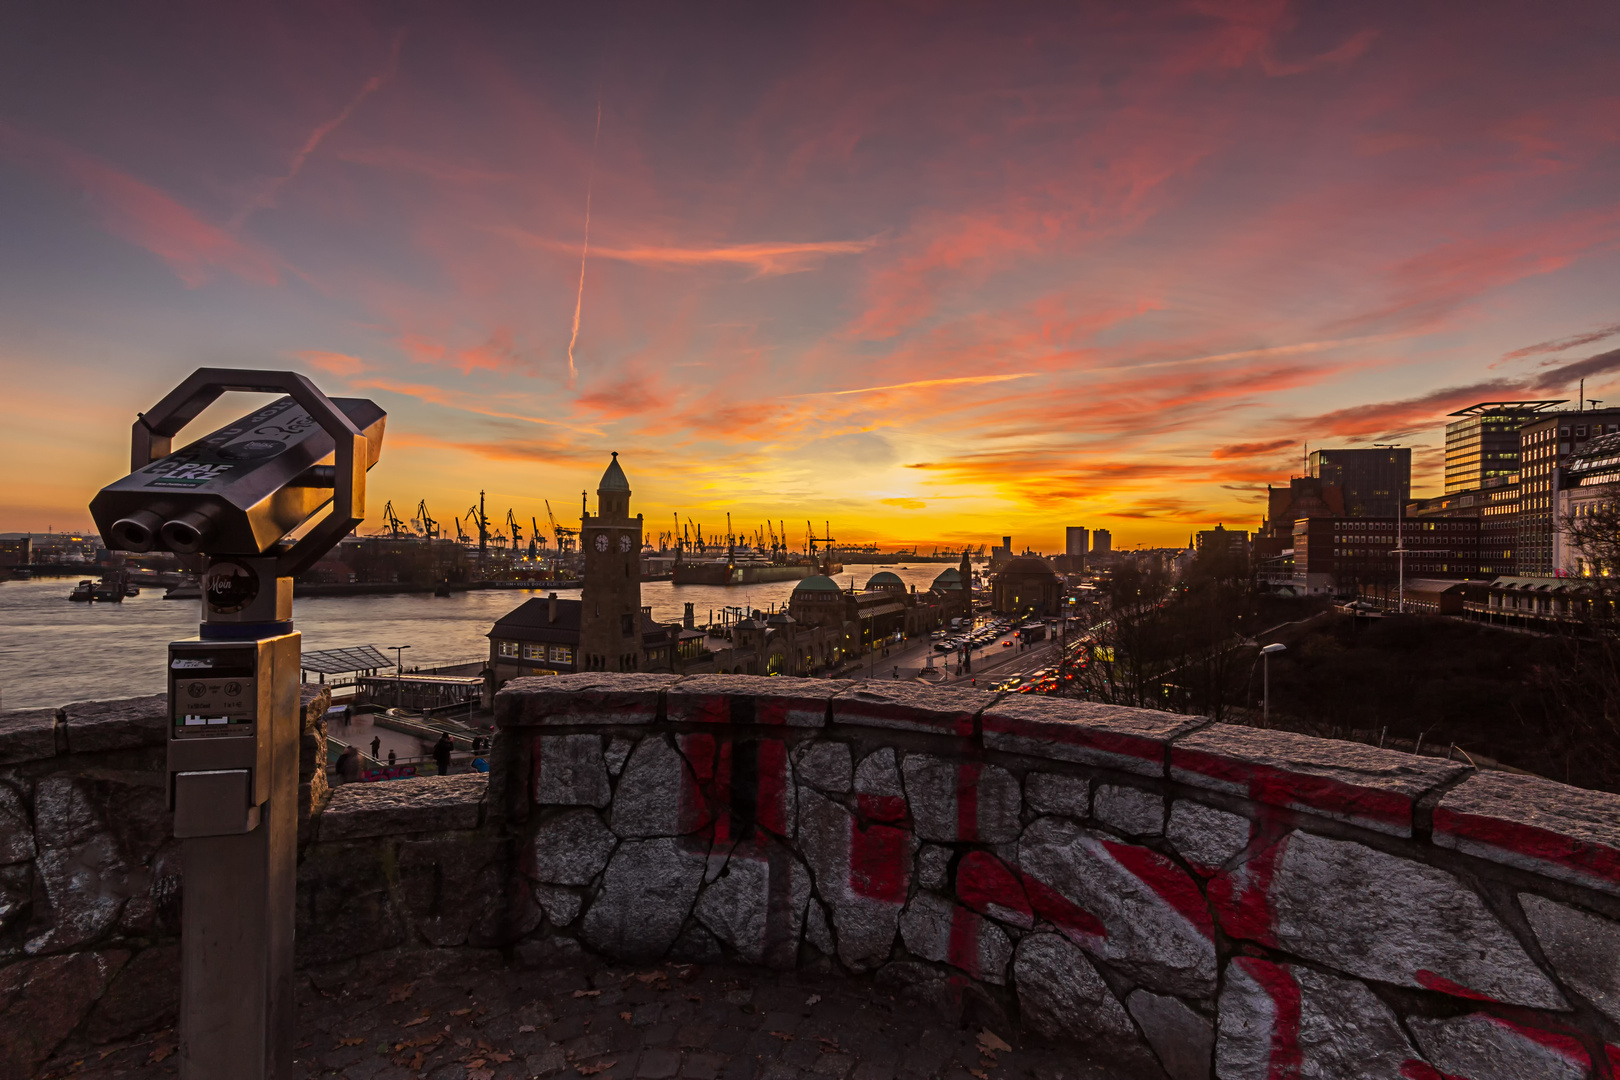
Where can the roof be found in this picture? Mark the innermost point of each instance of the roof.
(343, 661)
(818, 583)
(1028, 564)
(1507, 406)
(535, 614)
(949, 574)
(887, 607)
(614, 479)
(885, 579)
(782, 618)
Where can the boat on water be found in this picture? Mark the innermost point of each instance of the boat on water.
(748, 568)
(109, 590)
(83, 592)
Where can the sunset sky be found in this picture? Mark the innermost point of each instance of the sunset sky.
(933, 272)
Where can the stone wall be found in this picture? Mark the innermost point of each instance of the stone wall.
(1215, 899)
(1202, 898)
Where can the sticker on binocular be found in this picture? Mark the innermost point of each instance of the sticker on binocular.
(213, 706)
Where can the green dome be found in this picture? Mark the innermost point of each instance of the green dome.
(614, 479)
(885, 579)
(818, 583)
(953, 574)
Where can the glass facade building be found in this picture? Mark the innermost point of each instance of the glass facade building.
(1376, 481)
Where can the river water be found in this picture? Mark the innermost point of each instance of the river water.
(53, 651)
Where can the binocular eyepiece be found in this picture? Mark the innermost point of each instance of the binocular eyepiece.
(186, 533)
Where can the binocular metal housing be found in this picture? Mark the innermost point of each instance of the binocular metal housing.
(245, 487)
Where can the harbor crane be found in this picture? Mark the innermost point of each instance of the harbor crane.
(424, 521)
(812, 539)
(461, 537)
(478, 519)
(537, 541)
(515, 529)
(565, 535)
(396, 527)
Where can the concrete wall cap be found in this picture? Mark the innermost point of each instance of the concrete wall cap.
(122, 724)
(1539, 825)
(1113, 736)
(1348, 781)
(591, 697)
(751, 699)
(27, 735)
(396, 807)
(909, 707)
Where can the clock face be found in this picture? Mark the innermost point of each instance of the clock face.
(601, 542)
(624, 543)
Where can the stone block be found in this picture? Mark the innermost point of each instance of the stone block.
(27, 735)
(1280, 1020)
(569, 849)
(617, 753)
(985, 884)
(16, 827)
(817, 930)
(824, 765)
(1051, 793)
(1130, 810)
(590, 698)
(1206, 837)
(561, 905)
(647, 894)
(143, 996)
(1377, 916)
(878, 791)
(127, 723)
(902, 706)
(1182, 1040)
(936, 929)
(862, 873)
(749, 779)
(756, 905)
(959, 799)
(16, 893)
(422, 804)
(44, 999)
(658, 794)
(1584, 950)
(1113, 736)
(1482, 1047)
(1125, 904)
(933, 867)
(347, 905)
(569, 770)
(751, 699)
(1061, 996)
(1347, 781)
(1548, 828)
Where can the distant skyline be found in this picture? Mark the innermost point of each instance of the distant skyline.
(937, 275)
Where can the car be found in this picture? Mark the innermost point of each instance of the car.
(942, 646)
(1006, 644)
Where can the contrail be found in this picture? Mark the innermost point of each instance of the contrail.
(579, 300)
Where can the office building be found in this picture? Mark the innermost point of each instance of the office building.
(1341, 555)
(1549, 443)
(1374, 481)
(1590, 480)
(1223, 541)
(1485, 441)
(1102, 542)
(1076, 540)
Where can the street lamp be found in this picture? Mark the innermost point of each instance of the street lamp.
(1265, 653)
(399, 670)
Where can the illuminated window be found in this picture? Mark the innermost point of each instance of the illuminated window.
(507, 648)
(534, 652)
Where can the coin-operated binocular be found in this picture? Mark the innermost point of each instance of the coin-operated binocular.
(236, 497)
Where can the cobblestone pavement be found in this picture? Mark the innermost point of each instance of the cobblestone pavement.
(466, 1015)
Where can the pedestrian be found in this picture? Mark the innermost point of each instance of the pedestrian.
(348, 765)
(390, 759)
(897, 671)
(376, 746)
(441, 753)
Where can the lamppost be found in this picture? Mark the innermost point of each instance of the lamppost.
(399, 670)
(1265, 653)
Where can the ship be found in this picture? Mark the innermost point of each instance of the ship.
(740, 568)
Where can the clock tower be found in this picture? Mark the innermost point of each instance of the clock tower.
(610, 613)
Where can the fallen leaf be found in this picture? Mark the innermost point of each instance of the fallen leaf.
(459, 1012)
(500, 1059)
(480, 1074)
(476, 1063)
(355, 1041)
(485, 1047)
(989, 1040)
(625, 1017)
(400, 993)
(592, 1070)
(785, 1036)
(980, 1073)
(812, 999)
(695, 997)
(300, 1046)
(587, 993)
(424, 1018)
(525, 1029)
(161, 1051)
(416, 1062)
(652, 976)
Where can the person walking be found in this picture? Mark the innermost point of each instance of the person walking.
(376, 745)
(348, 765)
(441, 753)
(390, 759)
